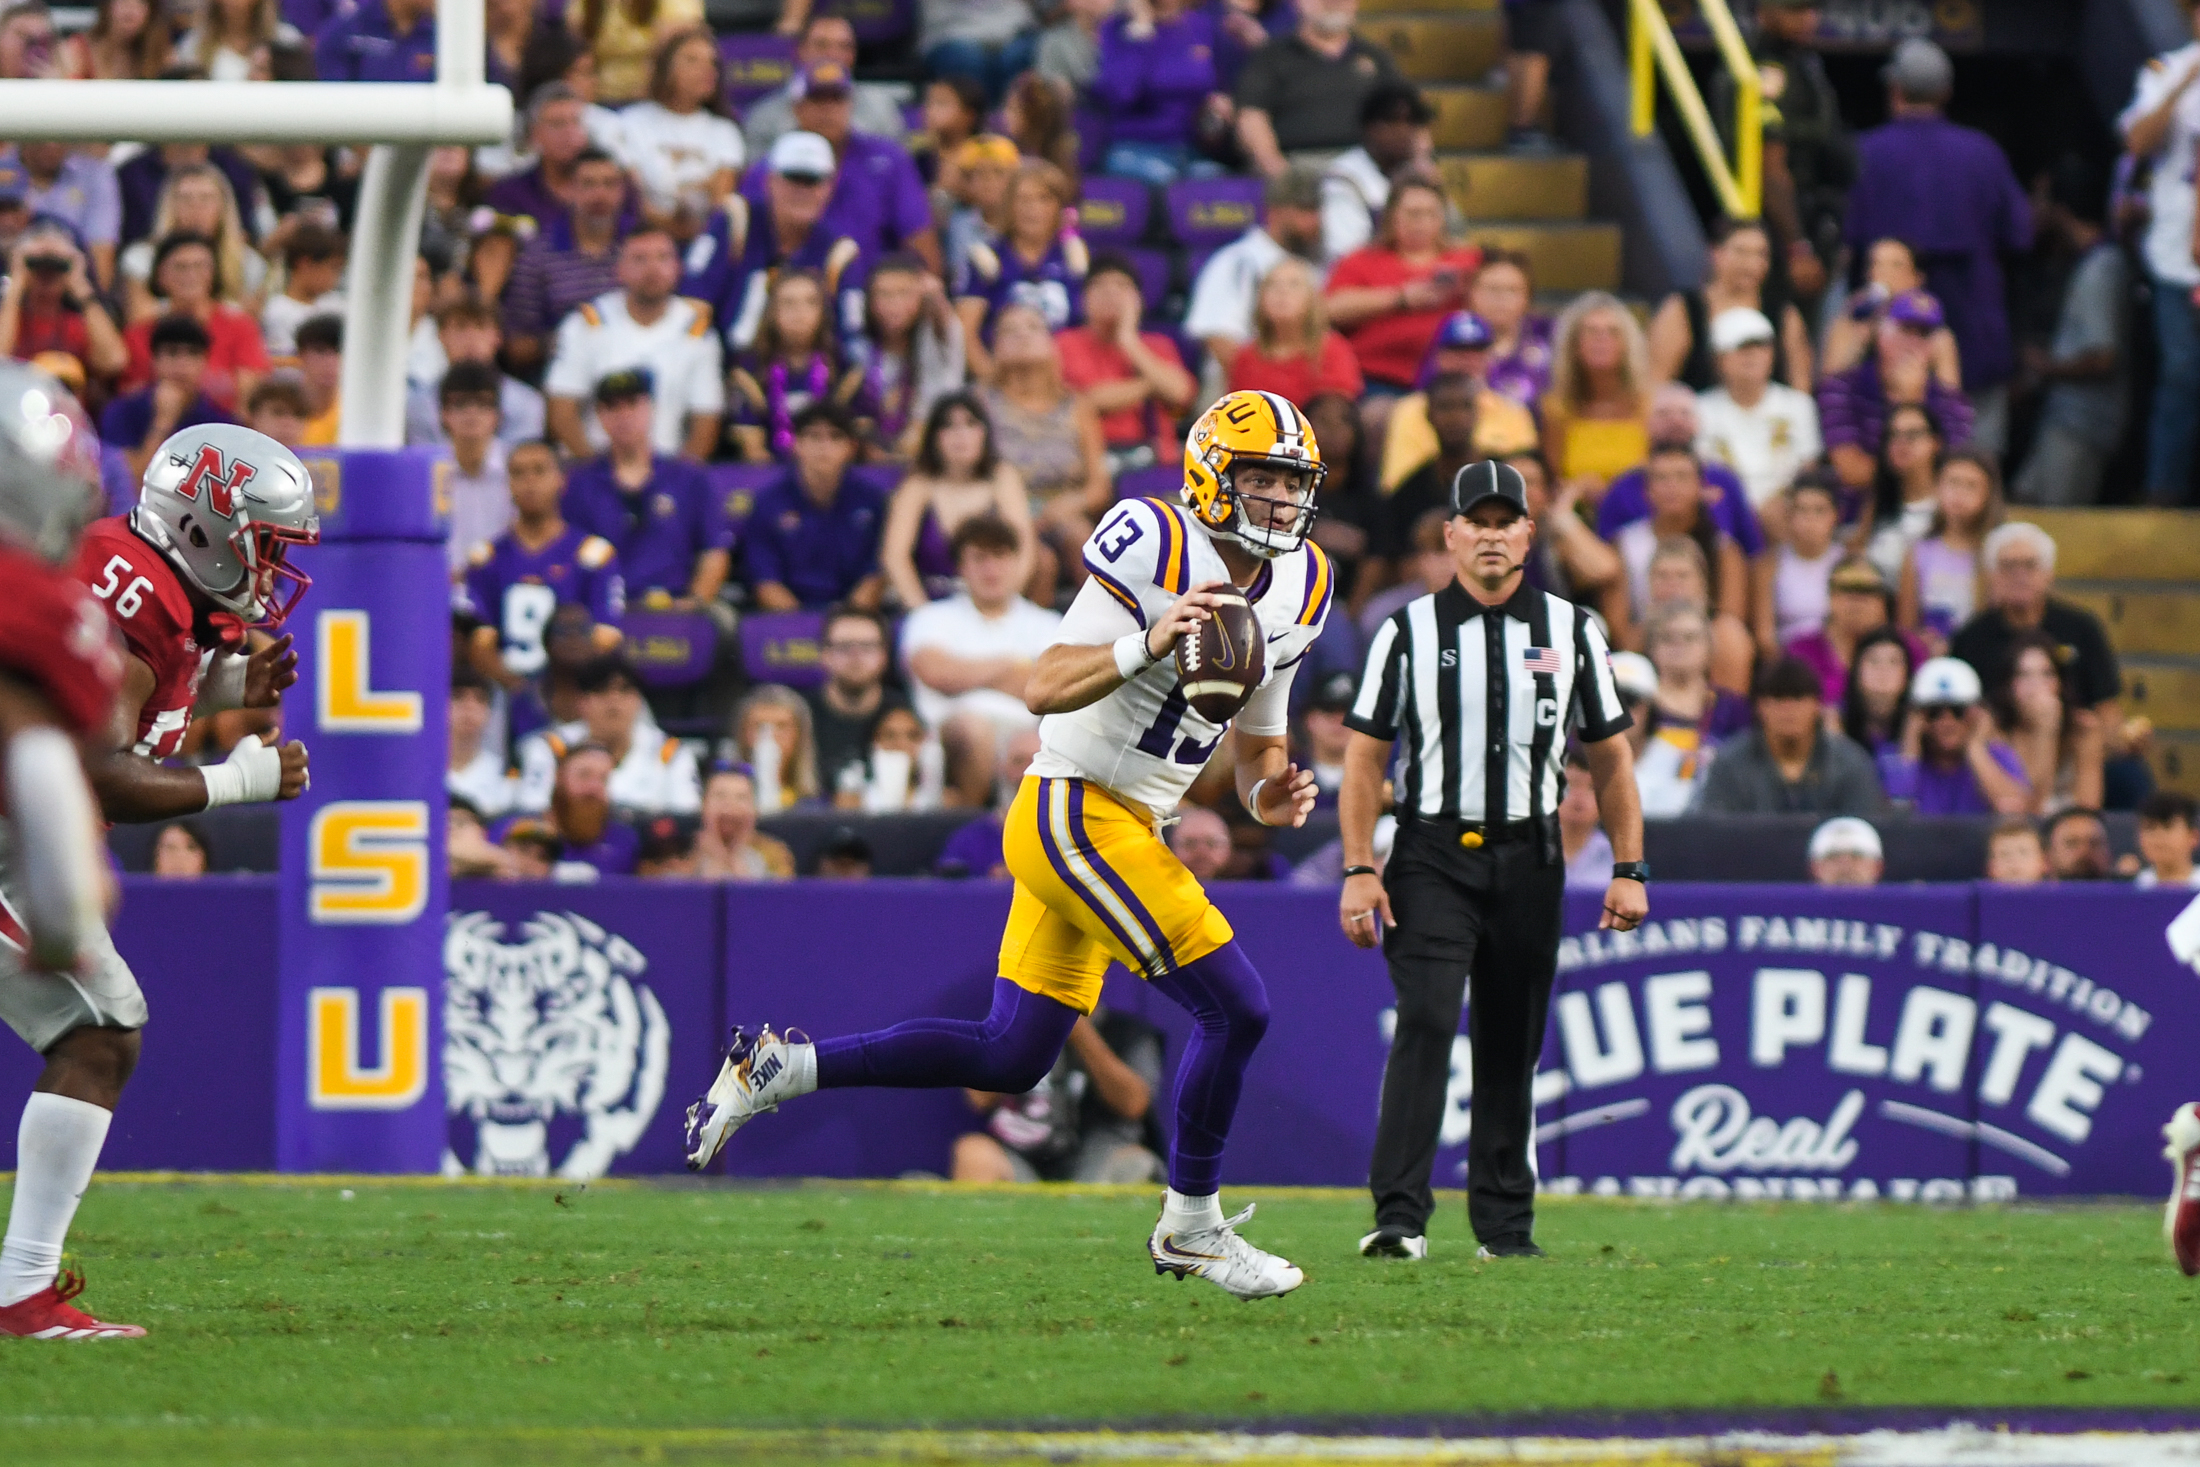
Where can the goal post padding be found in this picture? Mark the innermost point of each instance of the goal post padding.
(364, 884)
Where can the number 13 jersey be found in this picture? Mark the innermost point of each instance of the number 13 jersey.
(1143, 742)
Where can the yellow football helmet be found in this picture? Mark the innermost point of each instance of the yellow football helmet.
(1243, 430)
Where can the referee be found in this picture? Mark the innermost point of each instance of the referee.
(1484, 680)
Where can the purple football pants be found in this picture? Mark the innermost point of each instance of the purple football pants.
(1013, 1047)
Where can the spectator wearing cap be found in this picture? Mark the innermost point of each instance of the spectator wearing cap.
(2019, 564)
(2080, 374)
(139, 422)
(1853, 405)
(1789, 762)
(677, 143)
(1846, 851)
(572, 260)
(1394, 135)
(990, 41)
(659, 512)
(1293, 352)
(1674, 418)
(976, 178)
(1502, 426)
(812, 536)
(321, 373)
(650, 775)
(479, 490)
(2161, 134)
(49, 304)
(968, 656)
(592, 840)
(826, 39)
(1134, 381)
(1219, 314)
(642, 324)
(1156, 82)
(56, 181)
(1299, 96)
(732, 265)
(1325, 736)
(1740, 278)
(728, 846)
(667, 848)
(1392, 296)
(470, 336)
(845, 856)
(878, 198)
(1951, 759)
(624, 35)
(1040, 261)
(381, 41)
(1859, 601)
(1949, 192)
(313, 269)
(1765, 431)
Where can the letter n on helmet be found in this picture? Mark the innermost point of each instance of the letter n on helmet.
(1245, 430)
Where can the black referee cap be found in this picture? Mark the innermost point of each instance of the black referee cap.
(1488, 479)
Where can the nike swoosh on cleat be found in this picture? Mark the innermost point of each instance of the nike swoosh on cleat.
(1168, 1246)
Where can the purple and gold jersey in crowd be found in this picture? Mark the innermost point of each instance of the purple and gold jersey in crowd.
(659, 530)
(518, 590)
(879, 199)
(731, 264)
(1053, 285)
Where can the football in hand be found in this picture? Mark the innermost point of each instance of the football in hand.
(1221, 663)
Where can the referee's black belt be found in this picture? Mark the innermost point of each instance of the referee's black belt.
(1470, 834)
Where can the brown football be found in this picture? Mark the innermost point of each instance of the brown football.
(1219, 666)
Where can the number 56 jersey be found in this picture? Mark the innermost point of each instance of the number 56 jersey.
(1143, 742)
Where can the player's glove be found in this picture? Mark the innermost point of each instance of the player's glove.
(252, 774)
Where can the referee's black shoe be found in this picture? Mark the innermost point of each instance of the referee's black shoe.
(1394, 1242)
(1510, 1245)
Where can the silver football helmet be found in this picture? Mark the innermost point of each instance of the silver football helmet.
(49, 463)
(225, 504)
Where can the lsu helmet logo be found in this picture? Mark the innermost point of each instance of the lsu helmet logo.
(544, 1033)
(220, 477)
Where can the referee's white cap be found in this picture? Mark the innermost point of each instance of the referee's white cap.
(1846, 835)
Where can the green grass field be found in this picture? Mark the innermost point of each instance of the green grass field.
(451, 1323)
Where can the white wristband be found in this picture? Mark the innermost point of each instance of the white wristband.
(1132, 656)
(253, 772)
(1252, 801)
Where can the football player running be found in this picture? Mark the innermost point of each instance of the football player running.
(184, 578)
(1119, 746)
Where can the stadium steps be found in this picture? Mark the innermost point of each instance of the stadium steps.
(2138, 570)
(1536, 206)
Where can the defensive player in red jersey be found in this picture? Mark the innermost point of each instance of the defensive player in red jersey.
(184, 579)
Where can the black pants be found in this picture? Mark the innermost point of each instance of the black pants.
(1490, 916)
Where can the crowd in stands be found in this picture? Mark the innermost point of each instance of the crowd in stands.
(820, 375)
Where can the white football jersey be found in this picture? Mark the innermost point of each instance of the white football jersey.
(1143, 741)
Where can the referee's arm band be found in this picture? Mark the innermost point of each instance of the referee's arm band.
(1631, 871)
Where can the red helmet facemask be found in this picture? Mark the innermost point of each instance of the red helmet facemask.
(273, 575)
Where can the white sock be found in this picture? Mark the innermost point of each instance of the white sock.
(802, 1060)
(55, 1150)
(1182, 1214)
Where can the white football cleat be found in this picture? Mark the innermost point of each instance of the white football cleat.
(2181, 1219)
(1221, 1257)
(759, 1072)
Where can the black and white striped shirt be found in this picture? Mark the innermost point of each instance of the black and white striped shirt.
(1483, 698)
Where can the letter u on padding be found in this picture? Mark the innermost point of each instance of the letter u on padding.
(335, 1078)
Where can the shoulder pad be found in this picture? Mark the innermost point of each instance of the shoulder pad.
(1321, 586)
(700, 326)
(1140, 544)
(838, 259)
(984, 262)
(589, 313)
(1076, 256)
(482, 554)
(595, 553)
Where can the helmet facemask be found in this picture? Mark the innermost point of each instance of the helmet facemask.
(1254, 517)
(265, 549)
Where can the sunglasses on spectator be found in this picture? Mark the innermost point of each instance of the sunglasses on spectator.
(1945, 710)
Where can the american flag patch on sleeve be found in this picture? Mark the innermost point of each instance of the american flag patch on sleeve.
(1540, 659)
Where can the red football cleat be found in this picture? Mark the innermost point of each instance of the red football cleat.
(2181, 1219)
(48, 1315)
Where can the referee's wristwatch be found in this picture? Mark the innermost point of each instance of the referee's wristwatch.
(1631, 871)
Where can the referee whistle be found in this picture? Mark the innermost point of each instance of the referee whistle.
(1471, 839)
